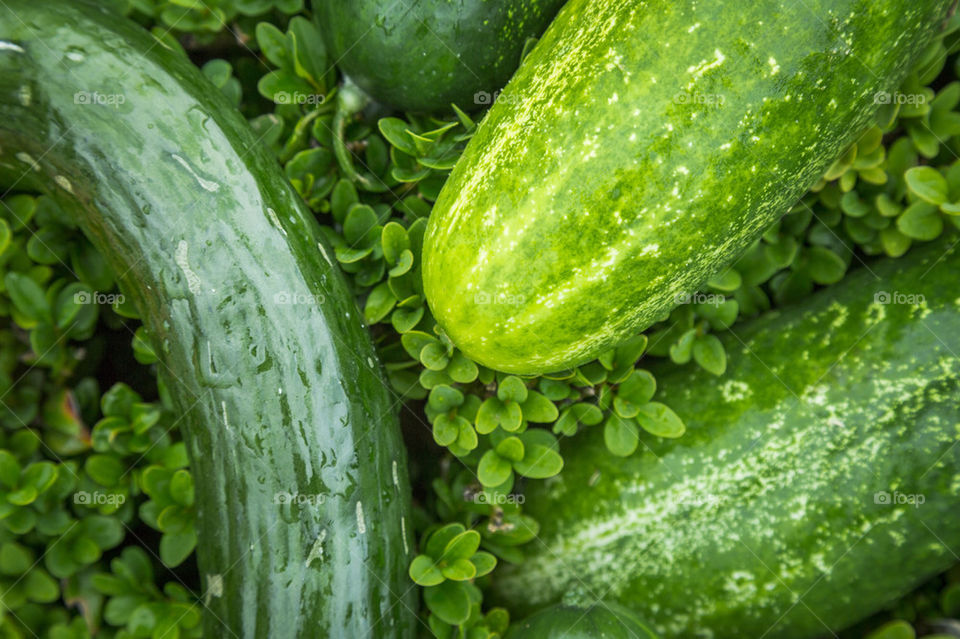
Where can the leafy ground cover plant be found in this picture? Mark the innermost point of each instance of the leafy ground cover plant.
(96, 520)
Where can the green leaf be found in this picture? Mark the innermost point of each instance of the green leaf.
(461, 368)
(621, 435)
(581, 413)
(310, 59)
(445, 398)
(424, 572)
(446, 430)
(15, 559)
(658, 419)
(539, 462)
(434, 356)
(510, 449)
(9, 469)
(5, 235)
(708, 352)
(379, 303)
(27, 297)
(41, 587)
(824, 266)
(638, 388)
(467, 438)
(927, 183)
(484, 563)
(273, 44)
(394, 240)
(415, 341)
(181, 487)
(405, 319)
(39, 475)
(360, 228)
(493, 470)
(460, 570)
(539, 409)
(512, 389)
(462, 546)
(396, 132)
(106, 470)
(682, 350)
(894, 630)
(494, 412)
(175, 548)
(438, 539)
(403, 265)
(284, 88)
(921, 221)
(449, 601)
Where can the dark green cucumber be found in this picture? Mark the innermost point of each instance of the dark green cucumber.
(790, 508)
(423, 55)
(602, 621)
(301, 485)
(640, 148)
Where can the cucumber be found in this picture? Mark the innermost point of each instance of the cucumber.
(790, 508)
(301, 484)
(423, 55)
(602, 621)
(640, 148)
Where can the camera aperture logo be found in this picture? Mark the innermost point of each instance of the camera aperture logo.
(883, 498)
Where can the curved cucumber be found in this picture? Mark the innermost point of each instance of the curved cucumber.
(423, 55)
(640, 148)
(602, 621)
(301, 484)
(818, 480)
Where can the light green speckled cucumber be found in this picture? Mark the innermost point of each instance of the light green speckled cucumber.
(638, 150)
(818, 480)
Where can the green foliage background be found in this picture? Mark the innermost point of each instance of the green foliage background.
(96, 497)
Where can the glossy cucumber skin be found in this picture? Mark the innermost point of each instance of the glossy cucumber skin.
(776, 489)
(603, 621)
(258, 336)
(424, 55)
(640, 148)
